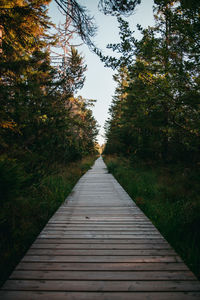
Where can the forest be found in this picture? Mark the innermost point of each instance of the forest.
(48, 133)
(44, 127)
(154, 126)
(155, 109)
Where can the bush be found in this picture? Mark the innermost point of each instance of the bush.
(28, 205)
(12, 179)
(170, 197)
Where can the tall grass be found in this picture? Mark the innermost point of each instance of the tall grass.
(170, 197)
(26, 206)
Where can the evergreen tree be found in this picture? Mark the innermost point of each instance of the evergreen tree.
(159, 117)
(36, 116)
(73, 72)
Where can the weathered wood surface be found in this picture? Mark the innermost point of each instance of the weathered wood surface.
(100, 246)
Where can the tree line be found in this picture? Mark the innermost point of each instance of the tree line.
(155, 111)
(44, 126)
(41, 120)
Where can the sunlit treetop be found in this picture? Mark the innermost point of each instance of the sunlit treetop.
(24, 23)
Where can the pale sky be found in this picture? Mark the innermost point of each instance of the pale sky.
(99, 83)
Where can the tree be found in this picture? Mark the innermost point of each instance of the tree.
(72, 70)
(80, 18)
(23, 23)
(82, 21)
(37, 119)
(24, 63)
(118, 7)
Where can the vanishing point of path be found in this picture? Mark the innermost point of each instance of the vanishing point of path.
(100, 246)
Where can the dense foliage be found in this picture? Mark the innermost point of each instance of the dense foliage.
(43, 126)
(40, 119)
(25, 208)
(169, 196)
(154, 124)
(155, 111)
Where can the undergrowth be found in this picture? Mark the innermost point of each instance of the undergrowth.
(170, 197)
(26, 205)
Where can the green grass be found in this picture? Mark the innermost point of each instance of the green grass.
(170, 197)
(26, 207)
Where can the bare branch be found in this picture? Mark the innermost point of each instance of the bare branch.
(118, 7)
(80, 18)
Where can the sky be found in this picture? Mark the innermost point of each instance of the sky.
(99, 84)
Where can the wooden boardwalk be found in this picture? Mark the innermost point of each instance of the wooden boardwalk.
(99, 245)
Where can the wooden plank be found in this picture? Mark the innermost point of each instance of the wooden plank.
(102, 285)
(95, 231)
(101, 241)
(96, 209)
(100, 246)
(100, 218)
(96, 217)
(106, 221)
(118, 210)
(82, 266)
(103, 275)
(107, 246)
(31, 295)
(128, 216)
(98, 226)
(101, 235)
(98, 236)
(68, 258)
(105, 204)
(96, 252)
(104, 230)
(98, 223)
(88, 222)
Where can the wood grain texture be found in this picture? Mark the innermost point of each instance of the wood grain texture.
(74, 266)
(100, 246)
(102, 285)
(57, 295)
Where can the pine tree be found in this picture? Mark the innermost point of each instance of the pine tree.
(37, 118)
(159, 117)
(73, 72)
